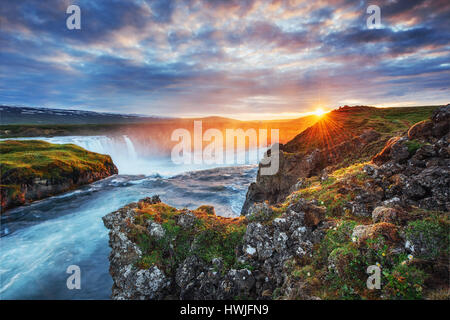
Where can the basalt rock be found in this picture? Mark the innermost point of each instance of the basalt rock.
(294, 166)
(261, 256)
(415, 168)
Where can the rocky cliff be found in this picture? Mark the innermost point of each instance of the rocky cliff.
(33, 170)
(391, 213)
(342, 137)
(159, 252)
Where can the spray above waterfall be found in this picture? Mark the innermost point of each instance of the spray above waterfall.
(132, 156)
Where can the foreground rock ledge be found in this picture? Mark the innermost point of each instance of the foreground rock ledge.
(159, 252)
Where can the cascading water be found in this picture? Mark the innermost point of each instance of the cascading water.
(131, 157)
(39, 241)
(123, 152)
(130, 148)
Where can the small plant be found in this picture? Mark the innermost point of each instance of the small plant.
(209, 237)
(405, 282)
(413, 146)
(429, 238)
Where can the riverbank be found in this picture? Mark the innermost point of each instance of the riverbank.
(33, 170)
(67, 229)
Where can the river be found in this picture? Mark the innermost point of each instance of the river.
(39, 241)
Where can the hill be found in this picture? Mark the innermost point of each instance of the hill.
(340, 138)
(152, 132)
(47, 116)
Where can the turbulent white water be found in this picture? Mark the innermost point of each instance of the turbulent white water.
(132, 158)
(39, 241)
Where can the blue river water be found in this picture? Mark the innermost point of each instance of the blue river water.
(40, 240)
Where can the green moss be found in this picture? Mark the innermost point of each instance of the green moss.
(410, 115)
(338, 267)
(219, 243)
(413, 145)
(335, 191)
(431, 235)
(334, 238)
(210, 237)
(266, 215)
(24, 162)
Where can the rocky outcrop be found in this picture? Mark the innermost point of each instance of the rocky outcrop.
(131, 282)
(413, 170)
(260, 257)
(406, 173)
(292, 166)
(25, 179)
(393, 214)
(271, 243)
(422, 151)
(37, 188)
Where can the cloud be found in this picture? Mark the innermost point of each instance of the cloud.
(222, 57)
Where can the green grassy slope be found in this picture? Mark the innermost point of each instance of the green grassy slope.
(24, 162)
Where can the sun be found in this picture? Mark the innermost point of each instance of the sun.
(319, 112)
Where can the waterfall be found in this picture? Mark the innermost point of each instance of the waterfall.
(133, 157)
(130, 147)
(121, 149)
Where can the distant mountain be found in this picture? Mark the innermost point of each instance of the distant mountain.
(42, 122)
(11, 115)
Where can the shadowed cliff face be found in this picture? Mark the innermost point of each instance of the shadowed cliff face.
(341, 138)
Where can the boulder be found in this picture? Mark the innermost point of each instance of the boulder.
(420, 130)
(373, 231)
(441, 120)
(386, 214)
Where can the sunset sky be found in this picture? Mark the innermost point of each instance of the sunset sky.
(243, 59)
